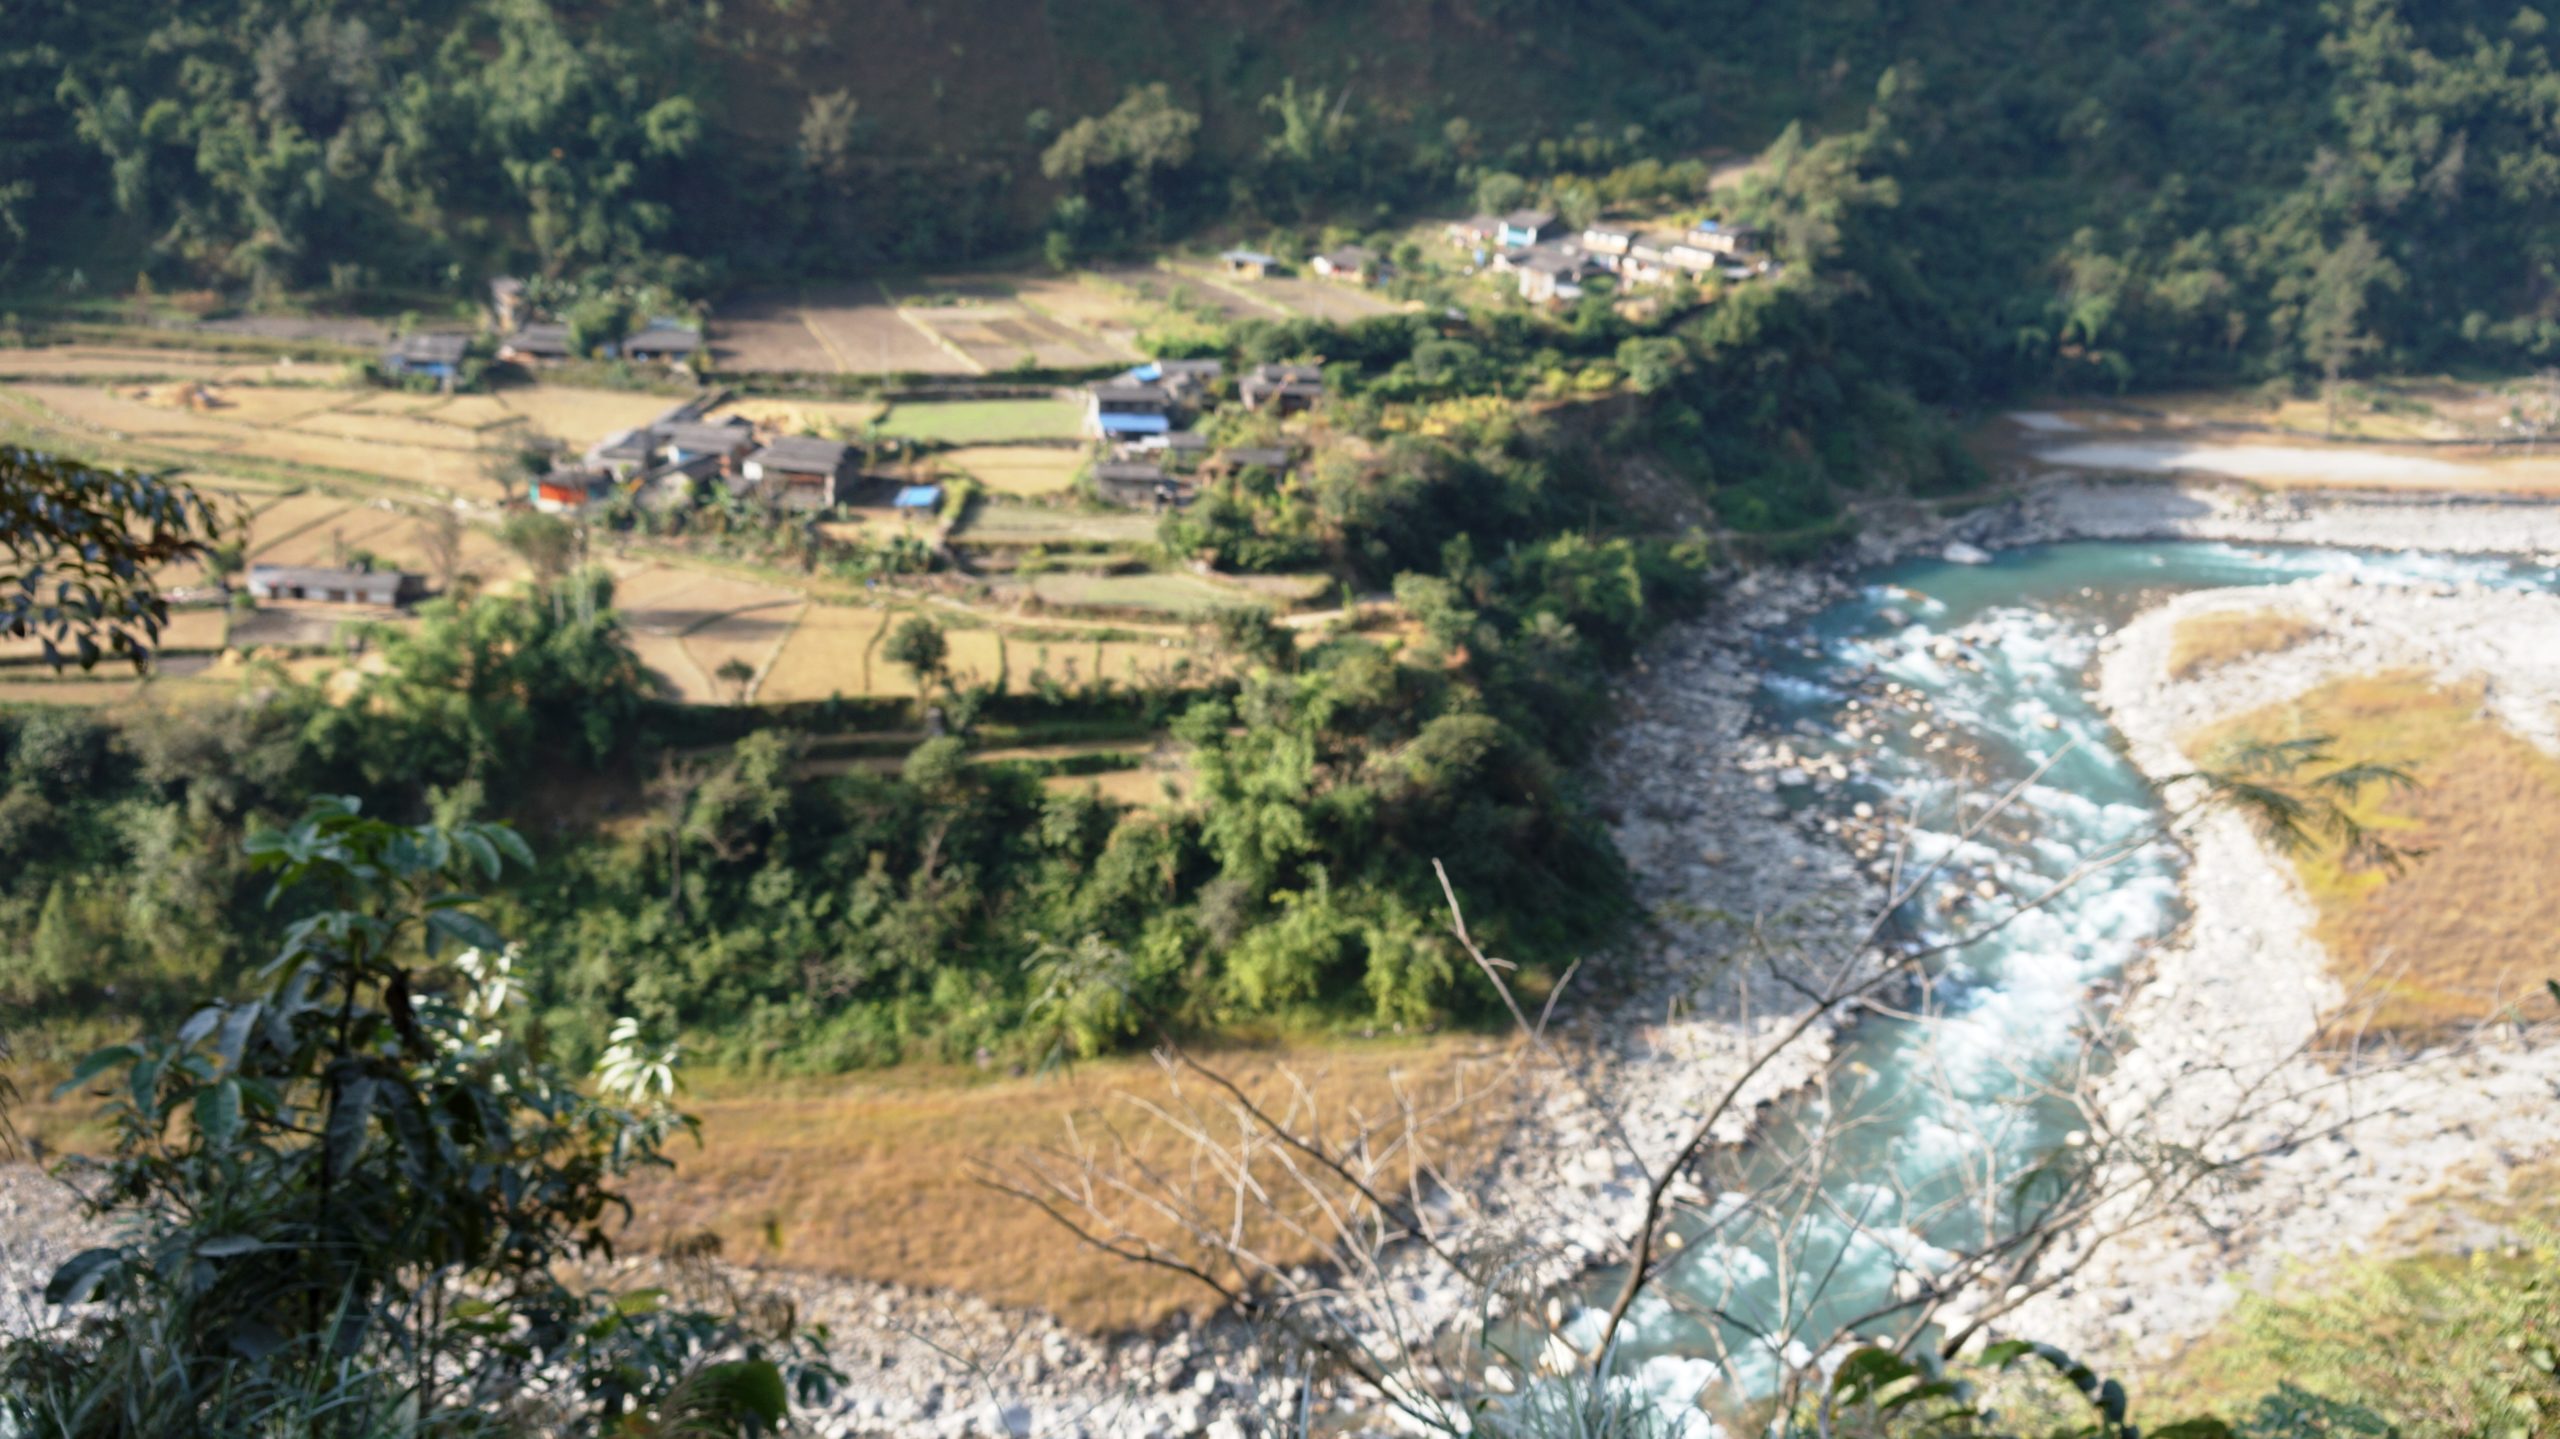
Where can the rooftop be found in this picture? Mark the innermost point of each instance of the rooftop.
(427, 349)
(802, 452)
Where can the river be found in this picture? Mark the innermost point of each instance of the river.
(1930, 1091)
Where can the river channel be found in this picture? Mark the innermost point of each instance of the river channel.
(2010, 695)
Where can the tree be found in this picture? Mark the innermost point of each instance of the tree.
(737, 674)
(918, 646)
(1126, 158)
(548, 543)
(78, 546)
(343, 1203)
(2332, 299)
(440, 539)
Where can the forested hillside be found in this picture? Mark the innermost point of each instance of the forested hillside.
(2104, 193)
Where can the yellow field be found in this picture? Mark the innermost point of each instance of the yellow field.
(751, 637)
(665, 656)
(2464, 927)
(1016, 469)
(471, 412)
(580, 417)
(377, 428)
(668, 600)
(823, 657)
(1136, 788)
(797, 417)
(2218, 637)
(332, 540)
(877, 1176)
(140, 360)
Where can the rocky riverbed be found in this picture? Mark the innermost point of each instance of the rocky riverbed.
(2223, 1026)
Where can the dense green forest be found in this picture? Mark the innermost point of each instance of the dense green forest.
(2091, 193)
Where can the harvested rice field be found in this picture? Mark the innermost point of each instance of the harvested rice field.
(1030, 470)
(826, 656)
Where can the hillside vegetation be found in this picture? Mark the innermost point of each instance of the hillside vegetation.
(2097, 192)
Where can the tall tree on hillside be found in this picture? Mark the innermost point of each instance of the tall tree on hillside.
(2332, 298)
(1124, 162)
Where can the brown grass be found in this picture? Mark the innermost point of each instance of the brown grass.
(2218, 637)
(1017, 469)
(879, 1176)
(752, 636)
(2464, 928)
(823, 656)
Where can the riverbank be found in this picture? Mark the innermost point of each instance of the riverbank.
(2224, 1030)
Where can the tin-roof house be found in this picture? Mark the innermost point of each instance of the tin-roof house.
(800, 472)
(1522, 228)
(664, 341)
(329, 586)
(542, 343)
(1285, 389)
(437, 356)
(1125, 409)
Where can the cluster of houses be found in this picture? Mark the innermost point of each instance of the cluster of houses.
(1349, 264)
(1150, 456)
(525, 340)
(1552, 261)
(674, 459)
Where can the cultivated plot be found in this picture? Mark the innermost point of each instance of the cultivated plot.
(985, 421)
(1004, 524)
(1178, 595)
(834, 650)
(1186, 291)
(1030, 470)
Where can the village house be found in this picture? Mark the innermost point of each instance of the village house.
(1553, 274)
(1607, 245)
(1350, 264)
(1727, 241)
(1282, 389)
(1182, 447)
(568, 491)
(1276, 459)
(800, 472)
(624, 453)
(1186, 383)
(663, 341)
(1126, 409)
(718, 445)
(542, 343)
(1250, 264)
(1139, 484)
(330, 586)
(436, 356)
(1476, 232)
(1522, 228)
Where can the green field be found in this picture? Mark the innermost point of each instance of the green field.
(1165, 594)
(984, 421)
(1003, 524)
